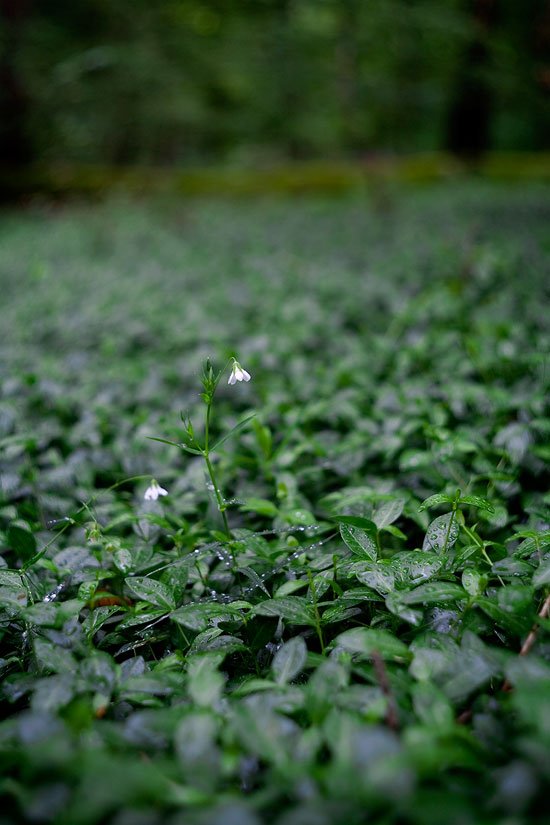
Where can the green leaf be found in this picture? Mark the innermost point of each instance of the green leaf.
(378, 576)
(152, 591)
(9, 578)
(123, 560)
(438, 498)
(504, 618)
(357, 521)
(52, 693)
(175, 444)
(395, 531)
(253, 685)
(201, 615)
(21, 541)
(474, 582)
(100, 671)
(14, 598)
(476, 501)
(340, 613)
(141, 617)
(432, 707)
(289, 587)
(233, 431)
(511, 568)
(387, 512)
(289, 660)
(52, 657)
(264, 438)
(294, 609)
(196, 749)
(205, 682)
(433, 593)
(397, 606)
(254, 578)
(519, 600)
(263, 732)
(441, 534)
(325, 687)
(414, 568)
(541, 576)
(359, 541)
(366, 641)
(44, 614)
(299, 516)
(262, 506)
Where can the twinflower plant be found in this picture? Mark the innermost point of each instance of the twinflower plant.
(192, 443)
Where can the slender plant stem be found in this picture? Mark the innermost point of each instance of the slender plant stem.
(210, 468)
(217, 493)
(487, 558)
(207, 427)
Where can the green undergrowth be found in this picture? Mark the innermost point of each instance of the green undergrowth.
(326, 628)
(333, 177)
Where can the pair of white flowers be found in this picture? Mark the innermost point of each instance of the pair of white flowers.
(238, 374)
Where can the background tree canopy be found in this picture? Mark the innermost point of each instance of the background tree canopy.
(183, 80)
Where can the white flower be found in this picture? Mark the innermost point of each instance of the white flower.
(238, 374)
(154, 490)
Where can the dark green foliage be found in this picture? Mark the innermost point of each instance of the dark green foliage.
(351, 654)
(162, 82)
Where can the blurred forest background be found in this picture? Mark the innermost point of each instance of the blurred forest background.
(168, 82)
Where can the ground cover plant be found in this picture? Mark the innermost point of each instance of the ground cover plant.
(330, 603)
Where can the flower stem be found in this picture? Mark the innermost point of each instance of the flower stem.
(221, 506)
(207, 427)
(210, 468)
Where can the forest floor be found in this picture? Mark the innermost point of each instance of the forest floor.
(318, 620)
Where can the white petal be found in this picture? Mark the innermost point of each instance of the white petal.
(238, 373)
(246, 375)
(151, 493)
(232, 378)
(161, 491)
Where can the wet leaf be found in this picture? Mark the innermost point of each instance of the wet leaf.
(366, 641)
(152, 591)
(359, 541)
(203, 615)
(442, 534)
(433, 593)
(477, 501)
(292, 608)
(21, 541)
(438, 498)
(388, 512)
(474, 582)
(289, 660)
(541, 576)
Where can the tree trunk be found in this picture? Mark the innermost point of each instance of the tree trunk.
(15, 146)
(348, 70)
(470, 114)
